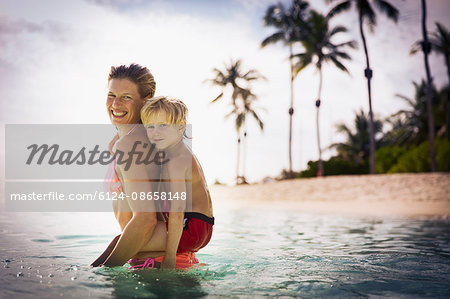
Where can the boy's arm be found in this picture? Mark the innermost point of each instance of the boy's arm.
(175, 231)
(177, 176)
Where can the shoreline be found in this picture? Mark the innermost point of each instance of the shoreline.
(404, 195)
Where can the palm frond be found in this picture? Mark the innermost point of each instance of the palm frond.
(337, 29)
(268, 19)
(416, 47)
(442, 31)
(338, 64)
(342, 128)
(352, 44)
(388, 9)
(440, 40)
(274, 38)
(339, 54)
(406, 99)
(233, 111)
(240, 119)
(304, 59)
(256, 117)
(343, 6)
(275, 15)
(217, 98)
(370, 15)
(252, 75)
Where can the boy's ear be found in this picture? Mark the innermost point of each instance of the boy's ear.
(182, 127)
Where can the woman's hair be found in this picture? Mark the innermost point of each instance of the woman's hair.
(137, 74)
(176, 111)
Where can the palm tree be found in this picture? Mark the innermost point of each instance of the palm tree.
(410, 125)
(367, 13)
(440, 40)
(319, 48)
(241, 111)
(356, 148)
(285, 20)
(426, 48)
(231, 79)
(440, 43)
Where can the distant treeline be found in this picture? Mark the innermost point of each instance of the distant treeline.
(402, 147)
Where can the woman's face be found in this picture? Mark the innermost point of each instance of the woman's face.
(124, 102)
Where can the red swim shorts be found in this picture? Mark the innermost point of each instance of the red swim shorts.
(197, 232)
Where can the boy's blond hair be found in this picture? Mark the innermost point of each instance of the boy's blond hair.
(176, 111)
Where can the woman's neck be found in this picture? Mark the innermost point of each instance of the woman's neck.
(124, 130)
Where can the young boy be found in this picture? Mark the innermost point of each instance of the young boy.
(187, 225)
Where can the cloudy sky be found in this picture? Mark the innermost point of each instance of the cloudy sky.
(55, 57)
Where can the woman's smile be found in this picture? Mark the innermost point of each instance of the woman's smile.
(118, 114)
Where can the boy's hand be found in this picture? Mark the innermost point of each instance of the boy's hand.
(169, 262)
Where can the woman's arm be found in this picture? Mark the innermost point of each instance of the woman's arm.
(135, 235)
(101, 259)
(122, 210)
(139, 229)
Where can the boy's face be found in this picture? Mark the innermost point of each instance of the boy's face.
(161, 133)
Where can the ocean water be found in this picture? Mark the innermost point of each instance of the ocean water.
(253, 253)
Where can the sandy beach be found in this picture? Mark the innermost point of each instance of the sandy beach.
(404, 195)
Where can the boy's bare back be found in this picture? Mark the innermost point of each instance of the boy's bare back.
(196, 186)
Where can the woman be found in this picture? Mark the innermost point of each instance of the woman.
(129, 87)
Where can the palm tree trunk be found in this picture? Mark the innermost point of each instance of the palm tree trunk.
(447, 107)
(368, 75)
(320, 168)
(244, 154)
(291, 111)
(238, 157)
(426, 50)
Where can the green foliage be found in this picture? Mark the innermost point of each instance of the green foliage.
(217, 182)
(390, 159)
(416, 159)
(442, 154)
(335, 166)
(395, 159)
(388, 156)
(286, 175)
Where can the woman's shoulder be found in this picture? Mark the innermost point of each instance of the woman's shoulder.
(136, 139)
